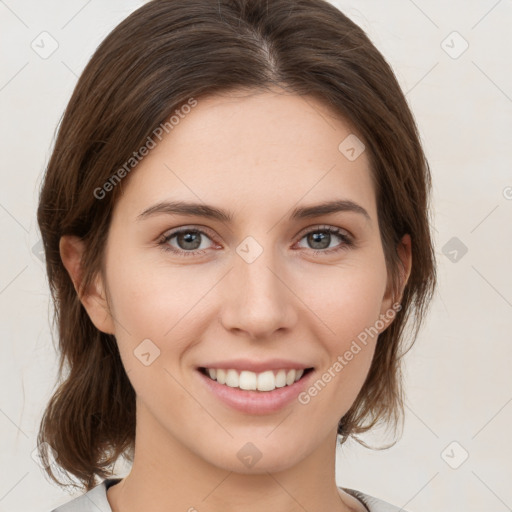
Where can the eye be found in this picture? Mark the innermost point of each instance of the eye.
(321, 237)
(189, 241)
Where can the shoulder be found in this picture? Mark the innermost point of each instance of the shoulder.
(373, 504)
(94, 500)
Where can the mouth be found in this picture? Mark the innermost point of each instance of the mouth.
(262, 382)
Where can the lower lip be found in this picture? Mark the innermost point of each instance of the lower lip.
(256, 402)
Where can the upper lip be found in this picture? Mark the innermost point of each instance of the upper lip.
(257, 366)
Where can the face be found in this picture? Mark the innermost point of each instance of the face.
(188, 291)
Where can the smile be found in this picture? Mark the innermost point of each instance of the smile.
(251, 381)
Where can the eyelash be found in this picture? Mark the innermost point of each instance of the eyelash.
(347, 241)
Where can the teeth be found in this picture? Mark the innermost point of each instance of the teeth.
(265, 381)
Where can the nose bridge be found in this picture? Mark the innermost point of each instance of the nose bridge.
(258, 300)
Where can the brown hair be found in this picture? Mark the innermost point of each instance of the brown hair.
(151, 64)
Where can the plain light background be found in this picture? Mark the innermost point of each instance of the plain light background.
(455, 453)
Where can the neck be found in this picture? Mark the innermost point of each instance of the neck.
(167, 476)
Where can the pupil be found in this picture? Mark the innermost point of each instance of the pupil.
(188, 238)
(319, 238)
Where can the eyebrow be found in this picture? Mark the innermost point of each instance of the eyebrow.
(208, 211)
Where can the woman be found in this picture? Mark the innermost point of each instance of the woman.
(235, 222)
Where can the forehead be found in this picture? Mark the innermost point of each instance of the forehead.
(253, 149)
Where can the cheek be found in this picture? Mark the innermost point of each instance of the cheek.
(152, 298)
(164, 305)
(154, 306)
(348, 301)
(347, 298)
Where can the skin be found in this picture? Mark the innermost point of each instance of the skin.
(258, 155)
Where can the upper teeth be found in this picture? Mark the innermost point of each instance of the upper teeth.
(264, 381)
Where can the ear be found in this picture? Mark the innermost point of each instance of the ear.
(404, 251)
(93, 298)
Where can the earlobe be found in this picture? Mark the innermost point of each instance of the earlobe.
(93, 298)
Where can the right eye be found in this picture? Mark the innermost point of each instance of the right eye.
(188, 240)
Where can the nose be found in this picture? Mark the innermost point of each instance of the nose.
(258, 297)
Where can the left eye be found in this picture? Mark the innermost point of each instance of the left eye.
(320, 238)
(189, 241)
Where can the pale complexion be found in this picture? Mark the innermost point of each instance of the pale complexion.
(258, 156)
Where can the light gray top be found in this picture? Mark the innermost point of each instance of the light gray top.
(96, 500)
